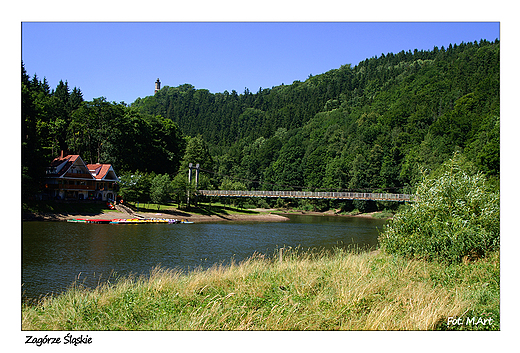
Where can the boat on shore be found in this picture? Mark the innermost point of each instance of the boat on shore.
(128, 221)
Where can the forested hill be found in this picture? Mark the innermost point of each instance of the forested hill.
(375, 125)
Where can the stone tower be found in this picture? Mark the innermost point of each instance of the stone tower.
(157, 86)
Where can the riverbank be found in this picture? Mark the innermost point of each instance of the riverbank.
(192, 217)
(202, 216)
(301, 291)
(376, 214)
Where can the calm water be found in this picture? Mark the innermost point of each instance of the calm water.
(55, 254)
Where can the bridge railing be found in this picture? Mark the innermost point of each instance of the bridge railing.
(309, 194)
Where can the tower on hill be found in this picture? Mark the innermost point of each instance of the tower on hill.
(157, 86)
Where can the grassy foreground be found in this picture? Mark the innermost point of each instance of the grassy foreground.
(335, 291)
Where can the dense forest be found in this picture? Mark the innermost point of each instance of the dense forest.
(378, 126)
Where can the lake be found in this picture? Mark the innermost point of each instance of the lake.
(55, 254)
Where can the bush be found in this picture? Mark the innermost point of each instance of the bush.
(361, 205)
(262, 203)
(455, 215)
(280, 203)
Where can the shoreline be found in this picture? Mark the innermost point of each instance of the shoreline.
(333, 214)
(196, 218)
(285, 293)
(263, 215)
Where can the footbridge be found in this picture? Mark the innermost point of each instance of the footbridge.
(309, 195)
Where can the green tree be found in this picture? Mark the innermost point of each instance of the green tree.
(197, 152)
(62, 92)
(314, 164)
(455, 214)
(484, 149)
(166, 145)
(33, 154)
(230, 184)
(180, 188)
(161, 189)
(93, 129)
(75, 99)
(374, 125)
(135, 186)
(287, 171)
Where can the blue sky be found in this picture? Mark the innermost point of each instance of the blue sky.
(122, 60)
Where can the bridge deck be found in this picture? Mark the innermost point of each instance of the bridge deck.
(309, 195)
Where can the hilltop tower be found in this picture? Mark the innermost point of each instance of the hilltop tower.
(157, 86)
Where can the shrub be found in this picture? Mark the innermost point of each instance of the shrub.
(280, 203)
(262, 203)
(455, 215)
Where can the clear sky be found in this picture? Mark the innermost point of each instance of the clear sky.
(122, 60)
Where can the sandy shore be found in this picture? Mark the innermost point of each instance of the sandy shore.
(197, 218)
(331, 213)
(263, 215)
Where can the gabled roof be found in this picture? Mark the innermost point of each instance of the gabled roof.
(69, 158)
(102, 171)
(61, 165)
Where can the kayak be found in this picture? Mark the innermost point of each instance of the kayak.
(128, 221)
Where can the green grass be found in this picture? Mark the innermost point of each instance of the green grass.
(383, 214)
(338, 290)
(58, 207)
(201, 209)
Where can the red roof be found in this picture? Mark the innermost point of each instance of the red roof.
(71, 158)
(98, 171)
(67, 162)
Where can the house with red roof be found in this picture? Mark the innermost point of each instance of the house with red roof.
(106, 180)
(69, 178)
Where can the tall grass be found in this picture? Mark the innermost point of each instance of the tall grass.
(339, 290)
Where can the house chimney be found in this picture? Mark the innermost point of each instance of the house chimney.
(64, 153)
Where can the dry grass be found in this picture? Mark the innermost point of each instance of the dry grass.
(307, 291)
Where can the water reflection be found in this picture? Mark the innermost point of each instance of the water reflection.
(54, 254)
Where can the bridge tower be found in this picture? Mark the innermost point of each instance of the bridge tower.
(197, 168)
(157, 86)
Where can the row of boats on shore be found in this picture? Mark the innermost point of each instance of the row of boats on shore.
(129, 221)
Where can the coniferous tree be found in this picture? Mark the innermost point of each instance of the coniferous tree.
(375, 125)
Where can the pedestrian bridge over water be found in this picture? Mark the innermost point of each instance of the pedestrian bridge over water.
(310, 195)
